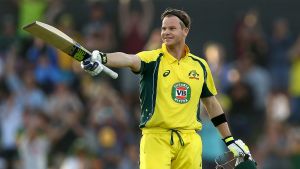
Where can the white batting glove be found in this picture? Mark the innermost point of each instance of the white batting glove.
(237, 147)
(93, 65)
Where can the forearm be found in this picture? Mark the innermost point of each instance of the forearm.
(123, 60)
(217, 115)
(215, 112)
(224, 130)
(117, 60)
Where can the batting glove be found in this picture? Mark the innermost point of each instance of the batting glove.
(237, 147)
(93, 65)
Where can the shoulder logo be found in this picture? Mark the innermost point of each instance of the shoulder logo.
(181, 92)
(166, 73)
(194, 75)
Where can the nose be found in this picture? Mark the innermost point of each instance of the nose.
(165, 32)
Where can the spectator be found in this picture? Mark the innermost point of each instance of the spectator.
(38, 48)
(11, 112)
(43, 59)
(99, 32)
(33, 142)
(109, 123)
(250, 37)
(279, 63)
(7, 34)
(135, 24)
(62, 100)
(53, 10)
(273, 147)
(214, 53)
(23, 84)
(258, 78)
(242, 111)
(80, 157)
(294, 86)
(66, 128)
(130, 158)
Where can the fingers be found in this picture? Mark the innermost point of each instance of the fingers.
(243, 146)
(93, 64)
(246, 157)
(95, 55)
(86, 65)
(239, 148)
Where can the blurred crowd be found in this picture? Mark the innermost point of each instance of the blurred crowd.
(53, 115)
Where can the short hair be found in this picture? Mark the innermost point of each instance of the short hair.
(182, 15)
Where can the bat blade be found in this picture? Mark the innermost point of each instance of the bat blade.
(58, 39)
(62, 41)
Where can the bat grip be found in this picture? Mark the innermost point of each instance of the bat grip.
(110, 72)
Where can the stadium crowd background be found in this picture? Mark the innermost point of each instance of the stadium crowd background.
(55, 116)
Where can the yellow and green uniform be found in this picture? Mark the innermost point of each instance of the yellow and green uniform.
(170, 91)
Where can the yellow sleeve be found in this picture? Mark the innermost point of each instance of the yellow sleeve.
(148, 58)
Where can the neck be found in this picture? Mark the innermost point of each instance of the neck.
(177, 51)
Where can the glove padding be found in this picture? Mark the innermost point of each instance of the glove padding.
(93, 64)
(238, 148)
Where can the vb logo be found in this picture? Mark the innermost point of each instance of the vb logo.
(181, 92)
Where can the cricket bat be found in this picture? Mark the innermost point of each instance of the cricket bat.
(63, 42)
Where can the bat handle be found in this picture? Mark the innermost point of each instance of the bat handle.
(110, 72)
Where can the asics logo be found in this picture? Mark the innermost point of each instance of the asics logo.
(166, 73)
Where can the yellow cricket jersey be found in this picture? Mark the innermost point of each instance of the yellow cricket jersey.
(170, 89)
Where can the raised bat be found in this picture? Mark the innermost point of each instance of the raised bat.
(63, 42)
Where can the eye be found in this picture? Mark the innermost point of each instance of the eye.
(172, 28)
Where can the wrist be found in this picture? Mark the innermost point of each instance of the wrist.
(103, 58)
(228, 140)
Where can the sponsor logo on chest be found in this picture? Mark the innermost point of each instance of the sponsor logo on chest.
(181, 92)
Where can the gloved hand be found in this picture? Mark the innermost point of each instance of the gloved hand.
(93, 65)
(237, 147)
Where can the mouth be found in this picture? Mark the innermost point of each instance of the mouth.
(168, 38)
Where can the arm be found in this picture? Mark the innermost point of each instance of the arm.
(214, 109)
(146, 21)
(95, 64)
(217, 116)
(122, 60)
(124, 16)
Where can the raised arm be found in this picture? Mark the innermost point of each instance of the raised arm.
(124, 16)
(94, 65)
(123, 60)
(148, 13)
(127, 20)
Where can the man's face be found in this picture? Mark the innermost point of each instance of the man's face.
(172, 32)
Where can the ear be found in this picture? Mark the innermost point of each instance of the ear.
(186, 31)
